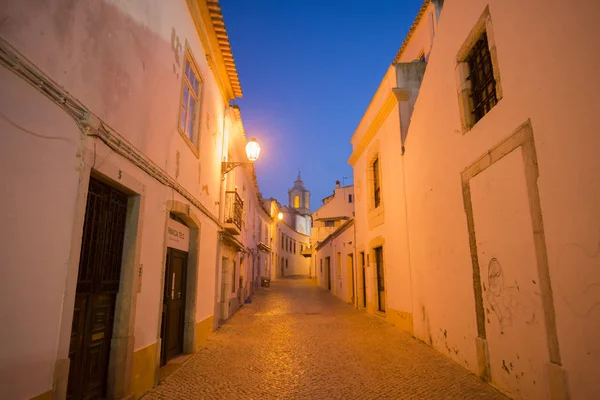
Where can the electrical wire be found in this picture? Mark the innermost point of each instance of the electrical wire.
(19, 127)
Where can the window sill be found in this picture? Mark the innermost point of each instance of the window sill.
(468, 128)
(190, 144)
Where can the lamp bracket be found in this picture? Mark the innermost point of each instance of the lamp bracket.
(227, 166)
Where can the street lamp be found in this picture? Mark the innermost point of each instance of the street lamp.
(280, 216)
(252, 152)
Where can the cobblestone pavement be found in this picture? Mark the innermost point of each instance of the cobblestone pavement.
(297, 341)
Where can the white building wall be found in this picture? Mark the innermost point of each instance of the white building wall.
(294, 262)
(339, 206)
(384, 226)
(124, 63)
(513, 237)
(535, 64)
(340, 250)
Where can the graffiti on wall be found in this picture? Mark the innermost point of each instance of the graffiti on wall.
(507, 302)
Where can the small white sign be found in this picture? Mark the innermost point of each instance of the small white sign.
(178, 235)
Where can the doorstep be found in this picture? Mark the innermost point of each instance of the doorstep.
(172, 366)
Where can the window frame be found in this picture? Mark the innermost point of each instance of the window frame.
(188, 58)
(481, 76)
(462, 71)
(376, 183)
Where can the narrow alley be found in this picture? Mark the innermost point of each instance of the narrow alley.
(215, 199)
(295, 340)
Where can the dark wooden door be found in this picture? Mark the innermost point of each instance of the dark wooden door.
(380, 278)
(97, 288)
(364, 286)
(351, 273)
(328, 270)
(173, 317)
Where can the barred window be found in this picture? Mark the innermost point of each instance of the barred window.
(481, 75)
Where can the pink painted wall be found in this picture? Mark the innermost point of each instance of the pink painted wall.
(37, 218)
(122, 61)
(126, 65)
(548, 67)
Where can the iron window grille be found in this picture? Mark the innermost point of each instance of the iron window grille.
(483, 84)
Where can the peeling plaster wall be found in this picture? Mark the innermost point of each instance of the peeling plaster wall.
(537, 43)
(123, 61)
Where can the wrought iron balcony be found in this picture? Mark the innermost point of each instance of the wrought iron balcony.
(234, 207)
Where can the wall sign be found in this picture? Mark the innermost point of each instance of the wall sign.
(178, 235)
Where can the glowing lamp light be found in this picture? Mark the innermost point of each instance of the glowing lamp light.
(252, 150)
(280, 216)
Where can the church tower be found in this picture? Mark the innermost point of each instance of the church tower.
(299, 197)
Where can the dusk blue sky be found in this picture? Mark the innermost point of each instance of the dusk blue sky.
(308, 71)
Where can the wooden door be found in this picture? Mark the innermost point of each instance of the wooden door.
(328, 270)
(350, 258)
(380, 279)
(97, 287)
(173, 317)
(364, 287)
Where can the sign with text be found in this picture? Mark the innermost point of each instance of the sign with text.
(178, 235)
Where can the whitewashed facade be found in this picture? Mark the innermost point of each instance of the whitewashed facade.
(486, 182)
(115, 119)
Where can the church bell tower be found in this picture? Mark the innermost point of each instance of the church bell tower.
(299, 197)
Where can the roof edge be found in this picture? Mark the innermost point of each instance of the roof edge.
(336, 233)
(411, 30)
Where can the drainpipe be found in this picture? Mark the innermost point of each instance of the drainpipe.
(412, 300)
(355, 275)
(219, 253)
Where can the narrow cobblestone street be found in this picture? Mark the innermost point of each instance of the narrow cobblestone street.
(297, 341)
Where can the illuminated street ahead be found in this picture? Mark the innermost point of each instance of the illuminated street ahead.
(298, 341)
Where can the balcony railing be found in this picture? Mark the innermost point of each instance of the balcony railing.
(234, 207)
